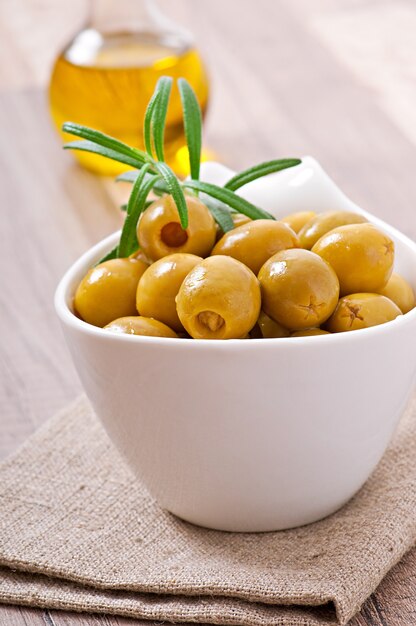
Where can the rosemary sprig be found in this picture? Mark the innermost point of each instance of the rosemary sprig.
(192, 121)
(155, 118)
(129, 177)
(147, 126)
(123, 207)
(105, 141)
(141, 188)
(152, 174)
(230, 198)
(90, 146)
(220, 212)
(176, 191)
(258, 171)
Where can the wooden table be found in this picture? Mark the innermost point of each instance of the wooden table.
(336, 80)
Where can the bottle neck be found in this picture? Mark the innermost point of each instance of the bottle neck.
(126, 16)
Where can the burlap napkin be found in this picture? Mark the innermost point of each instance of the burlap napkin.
(77, 531)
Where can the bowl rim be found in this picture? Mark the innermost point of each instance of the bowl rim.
(94, 253)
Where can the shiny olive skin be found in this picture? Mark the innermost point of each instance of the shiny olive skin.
(108, 291)
(160, 233)
(255, 242)
(399, 290)
(299, 289)
(159, 286)
(297, 221)
(239, 219)
(139, 325)
(361, 255)
(362, 310)
(310, 332)
(219, 299)
(266, 328)
(323, 223)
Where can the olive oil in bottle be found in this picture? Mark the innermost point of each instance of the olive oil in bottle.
(105, 77)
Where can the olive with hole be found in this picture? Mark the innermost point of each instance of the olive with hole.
(255, 242)
(361, 255)
(362, 310)
(159, 286)
(219, 299)
(108, 291)
(322, 223)
(297, 221)
(160, 233)
(139, 325)
(400, 291)
(299, 289)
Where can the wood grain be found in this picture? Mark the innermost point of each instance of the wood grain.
(283, 83)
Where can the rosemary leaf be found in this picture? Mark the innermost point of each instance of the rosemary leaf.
(192, 121)
(130, 177)
(257, 171)
(89, 146)
(141, 188)
(104, 140)
(123, 207)
(147, 126)
(230, 198)
(220, 212)
(175, 189)
(158, 117)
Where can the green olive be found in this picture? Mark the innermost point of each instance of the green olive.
(266, 328)
(255, 242)
(138, 325)
(399, 290)
(361, 255)
(297, 221)
(309, 332)
(238, 219)
(362, 310)
(219, 299)
(159, 286)
(321, 224)
(299, 289)
(160, 233)
(108, 291)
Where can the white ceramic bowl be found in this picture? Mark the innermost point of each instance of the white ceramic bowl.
(252, 435)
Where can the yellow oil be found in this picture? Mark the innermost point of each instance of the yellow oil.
(107, 85)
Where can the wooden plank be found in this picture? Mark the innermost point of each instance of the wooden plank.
(394, 603)
(20, 616)
(54, 212)
(64, 618)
